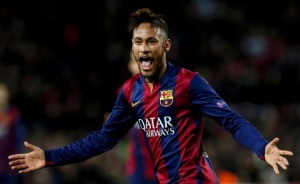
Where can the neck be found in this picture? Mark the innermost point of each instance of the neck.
(158, 76)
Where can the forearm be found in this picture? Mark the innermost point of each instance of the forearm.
(244, 132)
(90, 146)
(247, 135)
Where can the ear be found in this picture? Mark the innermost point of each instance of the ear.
(167, 45)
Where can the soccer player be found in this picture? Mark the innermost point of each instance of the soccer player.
(169, 103)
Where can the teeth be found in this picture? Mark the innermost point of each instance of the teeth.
(145, 58)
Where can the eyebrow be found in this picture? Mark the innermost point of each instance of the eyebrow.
(147, 39)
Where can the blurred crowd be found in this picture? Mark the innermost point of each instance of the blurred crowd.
(63, 63)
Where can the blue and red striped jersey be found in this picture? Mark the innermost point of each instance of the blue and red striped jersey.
(171, 117)
(139, 165)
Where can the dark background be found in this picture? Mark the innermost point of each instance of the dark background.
(64, 62)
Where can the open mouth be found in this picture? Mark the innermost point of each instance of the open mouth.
(146, 63)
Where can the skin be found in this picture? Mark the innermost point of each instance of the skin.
(4, 96)
(149, 44)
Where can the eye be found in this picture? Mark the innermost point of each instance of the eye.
(137, 42)
(152, 42)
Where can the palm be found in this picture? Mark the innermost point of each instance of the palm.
(33, 160)
(274, 156)
(27, 162)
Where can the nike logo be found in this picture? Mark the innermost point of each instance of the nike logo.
(134, 104)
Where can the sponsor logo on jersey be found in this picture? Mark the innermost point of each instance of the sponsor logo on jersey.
(135, 103)
(166, 98)
(157, 126)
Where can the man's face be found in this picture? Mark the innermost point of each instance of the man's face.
(149, 46)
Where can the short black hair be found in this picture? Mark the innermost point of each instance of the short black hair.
(146, 15)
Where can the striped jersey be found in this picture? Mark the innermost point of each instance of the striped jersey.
(139, 165)
(171, 118)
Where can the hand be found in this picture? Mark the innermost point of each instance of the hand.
(28, 162)
(274, 156)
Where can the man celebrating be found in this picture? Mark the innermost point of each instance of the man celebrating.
(169, 103)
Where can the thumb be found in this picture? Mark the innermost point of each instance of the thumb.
(275, 141)
(29, 146)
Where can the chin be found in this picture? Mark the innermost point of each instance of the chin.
(146, 76)
(146, 73)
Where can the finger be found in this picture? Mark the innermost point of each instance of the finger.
(16, 162)
(275, 168)
(275, 141)
(18, 167)
(16, 156)
(25, 170)
(284, 160)
(285, 152)
(30, 146)
(282, 165)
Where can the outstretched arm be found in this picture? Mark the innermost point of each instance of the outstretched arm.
(28, 162)
(274, 156)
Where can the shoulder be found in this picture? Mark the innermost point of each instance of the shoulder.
(128, 86)
(191, 75)
(186, 74)
(176, 70)
(193, 79)
(130, 82)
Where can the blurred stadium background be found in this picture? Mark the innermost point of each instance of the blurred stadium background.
(63, 62)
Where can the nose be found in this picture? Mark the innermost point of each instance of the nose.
(144, 47)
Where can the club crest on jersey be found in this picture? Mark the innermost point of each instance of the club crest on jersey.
(166, 98)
